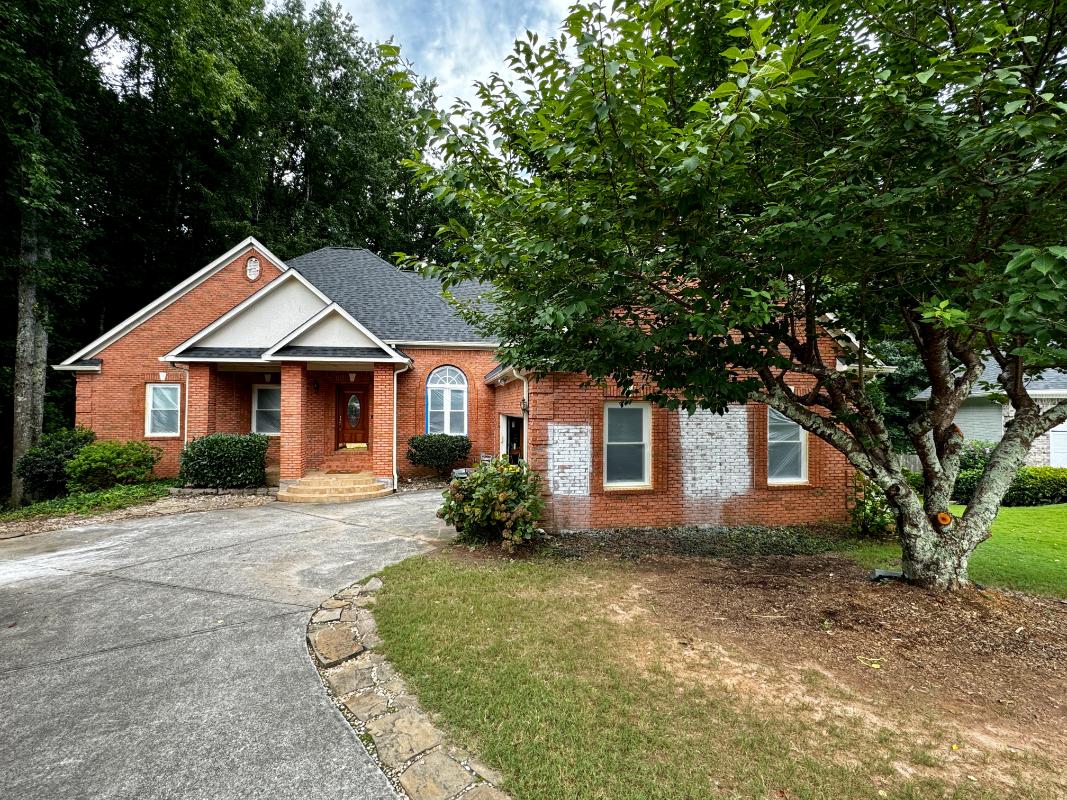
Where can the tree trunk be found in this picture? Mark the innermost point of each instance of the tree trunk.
(31, 345)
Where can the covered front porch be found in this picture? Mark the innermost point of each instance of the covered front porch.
(328, 416)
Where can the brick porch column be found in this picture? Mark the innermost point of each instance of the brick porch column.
(294, 423)
(382, 427)
(200, 405)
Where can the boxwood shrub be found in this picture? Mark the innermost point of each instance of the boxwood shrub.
(1031, 486)
(101, 465)
(43, 468)
(439, 451)
(225, 461)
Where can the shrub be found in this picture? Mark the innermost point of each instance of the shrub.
(497, 501)
(966, 483)
(101, 465)
(1037, 486)
(44, 466)
(915, 481)
(439, 451)
(869, 510)
(975, 455)
(225, 461)
(1031, 486)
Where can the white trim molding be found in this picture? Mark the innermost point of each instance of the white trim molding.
(788, 480)
(646, 441)
(252, 299)
(332, 308)
(255, 407)
(149, 408)
(174, 294)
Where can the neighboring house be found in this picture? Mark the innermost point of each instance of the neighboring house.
(340, 357)
(983, 414)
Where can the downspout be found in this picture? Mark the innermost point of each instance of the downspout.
(185, 406)
(396, 477)
(526, 417)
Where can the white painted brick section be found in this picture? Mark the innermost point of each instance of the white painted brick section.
(570, 459)
(716, 462)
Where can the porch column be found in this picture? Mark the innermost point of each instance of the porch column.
(382, 425)
(294, 423)
(200, 404)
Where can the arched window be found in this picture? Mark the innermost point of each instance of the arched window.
(446, 402)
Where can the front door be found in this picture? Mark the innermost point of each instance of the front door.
(352, 413)
(513, 439)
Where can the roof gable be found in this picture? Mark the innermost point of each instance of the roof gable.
(335, 334)
(165, 300)
(260, 320)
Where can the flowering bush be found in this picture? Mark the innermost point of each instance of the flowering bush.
(497, 501)
(975, 455)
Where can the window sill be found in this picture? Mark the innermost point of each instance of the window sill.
(162, 436)
(638, 487)
(790, 485)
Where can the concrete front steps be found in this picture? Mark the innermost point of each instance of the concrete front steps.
(320, 487)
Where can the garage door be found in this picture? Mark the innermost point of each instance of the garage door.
(1058, 446)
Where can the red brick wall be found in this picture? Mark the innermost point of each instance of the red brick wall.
(561, 399)
(112, 402)
(483, 425)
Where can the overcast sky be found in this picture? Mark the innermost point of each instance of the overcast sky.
(457, 42)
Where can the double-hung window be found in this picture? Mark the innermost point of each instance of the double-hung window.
(627, 445)
(446, 402)
(787, 450)
(162, 415)
(267, 410)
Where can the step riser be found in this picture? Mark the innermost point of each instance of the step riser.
(286, 497)
(332, 492)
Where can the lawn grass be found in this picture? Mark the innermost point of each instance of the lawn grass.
(1027, 551)
(92, 502)
(520, 662)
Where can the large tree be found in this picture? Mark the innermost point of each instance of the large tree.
(684, 193)
(140, 140)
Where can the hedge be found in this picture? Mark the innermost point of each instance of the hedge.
(101, 465)
(225, 461)
(1031, 486)
(439, 451)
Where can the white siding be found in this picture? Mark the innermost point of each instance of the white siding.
(980, 418)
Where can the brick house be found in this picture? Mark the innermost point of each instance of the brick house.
(340, 357)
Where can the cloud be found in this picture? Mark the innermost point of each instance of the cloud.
(458, 42)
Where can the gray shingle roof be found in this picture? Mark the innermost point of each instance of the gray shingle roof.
(221, 352)
(1050, 380)
(396, 306)
(87, 362)
(307, 351)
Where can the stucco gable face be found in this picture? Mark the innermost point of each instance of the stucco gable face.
(268, 318)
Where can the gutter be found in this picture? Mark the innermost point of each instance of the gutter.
(396, 477)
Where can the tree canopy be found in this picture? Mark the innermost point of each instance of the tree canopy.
(679, 195)
(142, 140)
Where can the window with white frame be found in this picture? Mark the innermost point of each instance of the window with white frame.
(446, 402)
(267, 410)
(627, 444)
(162, 414)
(787, 450)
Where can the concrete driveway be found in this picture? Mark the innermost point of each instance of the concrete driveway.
(165, 657)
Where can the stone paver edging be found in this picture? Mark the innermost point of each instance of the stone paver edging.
(416, 756)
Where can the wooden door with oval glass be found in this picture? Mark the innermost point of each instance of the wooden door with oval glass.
(352, 414)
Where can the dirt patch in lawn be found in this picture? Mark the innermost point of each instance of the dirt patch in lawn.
(975, 679)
